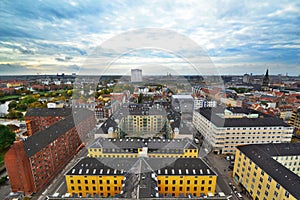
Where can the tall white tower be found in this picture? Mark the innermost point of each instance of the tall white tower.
(136, 75)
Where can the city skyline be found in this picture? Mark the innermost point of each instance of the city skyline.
(239, 37)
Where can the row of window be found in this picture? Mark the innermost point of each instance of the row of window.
(166, 189)
(181, 182)
(93, 188)
(94, 181)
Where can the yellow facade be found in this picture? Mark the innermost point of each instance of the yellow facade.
(186, 153)
(104, 186)
(186, 184)
(257, 182)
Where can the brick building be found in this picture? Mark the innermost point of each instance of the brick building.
(32, 163)
(38, 119)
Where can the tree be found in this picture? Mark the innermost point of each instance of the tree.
(69, 93)
(6, 137)
(12, 105)
(140, 99)
(14, 115)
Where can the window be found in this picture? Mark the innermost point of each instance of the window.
(180, 188)
(268, 186)
(115, 182)
(277, 186)
(187, 188)
(276, 194)
(72, 188)
(287, 194)
(94, 188)
(209, 188)
(78, 181)
(259, 186)
(269, 178)
(181, 181)
(173, 188)
(166, 181)
(86, 181)
(166, 188)
(107, 181)
(86, 187)
(93, 182)
(101, 188)
(203, 181)
(195, 182)
(79, 188)
(210, 182)
(260, 179)
(108, 188)
(72, 181)
(266, 193)
(188, 182)
(100, 182)
(195, 188)
(173, 182)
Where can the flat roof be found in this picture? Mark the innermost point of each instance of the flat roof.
(263, 120)
(261, 155)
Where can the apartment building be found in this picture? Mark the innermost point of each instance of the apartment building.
(269, 171)
(140, 178)
(33, 162)
(226, 128)
(133, 148)
(38, 119)
(295, 119)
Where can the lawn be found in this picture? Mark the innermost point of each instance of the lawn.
(7, 98)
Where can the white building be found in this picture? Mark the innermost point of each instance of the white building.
(224, 129)
(203, 103)
(136, 75)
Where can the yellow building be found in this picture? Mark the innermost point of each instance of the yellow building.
(132, 148)
(295, 119)
(269, 171)
(140, 177)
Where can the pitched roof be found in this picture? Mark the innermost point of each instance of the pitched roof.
(45, 112)
(261, 155)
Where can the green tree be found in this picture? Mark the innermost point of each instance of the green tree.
(12, 105)
(140, 99)
(69, 92)
(14, 115)
(21, 107)
(6, 137)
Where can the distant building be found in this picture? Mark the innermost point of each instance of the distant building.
(266, 81)
(183, 103)
(224, 129)
(204, 103)
(269, 171)
(247, 79)
(136, 75)
(33, 162)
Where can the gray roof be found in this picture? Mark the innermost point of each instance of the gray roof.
(152, 144)
(261, 155)
(41, 139)
(45, 112)
(262, 121)
(122, 166)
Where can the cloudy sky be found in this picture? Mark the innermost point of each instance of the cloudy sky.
(55, 36)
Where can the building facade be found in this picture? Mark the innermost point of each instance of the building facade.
(33, 162)
(109, 177)
(224, 129)
(136, 75)
(133, 148)
(295, 119)
(38, 119)
(269, 171)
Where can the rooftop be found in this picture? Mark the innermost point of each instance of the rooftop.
(261, 155)
(41, 139)
(45, 112)
(122, 166)
(212, 114)
(152, 144)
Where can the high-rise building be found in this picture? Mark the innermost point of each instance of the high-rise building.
(226, 128)
(269, 171)
(136, 75)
